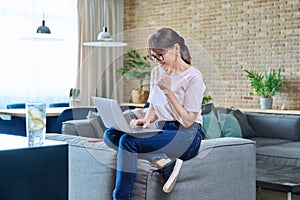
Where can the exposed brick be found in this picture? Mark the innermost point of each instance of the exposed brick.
(225, 38)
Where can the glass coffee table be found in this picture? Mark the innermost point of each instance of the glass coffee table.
(281, 178)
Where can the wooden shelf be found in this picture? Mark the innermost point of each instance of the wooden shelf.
(271, 111)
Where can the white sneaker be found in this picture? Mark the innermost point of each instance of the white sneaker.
(173, 176)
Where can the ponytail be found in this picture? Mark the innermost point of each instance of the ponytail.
(184, 51)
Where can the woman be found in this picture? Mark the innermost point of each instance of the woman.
(176, 93)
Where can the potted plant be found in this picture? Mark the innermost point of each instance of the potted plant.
(206, 99)
(74, 97)
(265, 85)
(136, 67)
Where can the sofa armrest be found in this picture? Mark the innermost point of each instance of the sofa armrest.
(91, 167)
(83, 127)
(225, 168)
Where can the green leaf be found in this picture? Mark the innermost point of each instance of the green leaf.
(265, 85)
(206, 99)
(135, 66)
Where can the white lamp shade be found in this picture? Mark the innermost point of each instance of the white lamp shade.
(104, 44)
(42, 37)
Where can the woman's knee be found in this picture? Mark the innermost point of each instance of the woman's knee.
(111, 138)
(193, 149)
(127, 142)
(106, 135)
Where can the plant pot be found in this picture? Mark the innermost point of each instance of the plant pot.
(266, 103)
(139, 96)
(74, 103)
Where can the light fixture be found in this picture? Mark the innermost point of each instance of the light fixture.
(104, 36)
(43, 33)
(43, 29)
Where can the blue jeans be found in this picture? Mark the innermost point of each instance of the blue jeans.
(175, 141)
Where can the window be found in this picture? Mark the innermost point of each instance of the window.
(37, 70)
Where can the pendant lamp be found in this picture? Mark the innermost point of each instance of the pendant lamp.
(43, 33)
(104, 36)
(43, 29)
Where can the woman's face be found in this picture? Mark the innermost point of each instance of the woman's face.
(165, 58)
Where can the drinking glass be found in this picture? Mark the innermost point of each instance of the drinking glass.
(35, 123)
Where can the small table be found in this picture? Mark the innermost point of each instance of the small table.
(33, 173)
(13, 121)
(21, 112)
(282, 178)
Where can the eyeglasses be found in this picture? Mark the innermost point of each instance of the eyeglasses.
(157, 57)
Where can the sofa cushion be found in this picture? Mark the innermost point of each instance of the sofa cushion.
(211, 126)
(96, 123)
(287, 153)
(207, 108)
(80, 127)
(247, 130)
(91, 127)
(229, 125)
(262, 142)
(279, 126)
(224, 122)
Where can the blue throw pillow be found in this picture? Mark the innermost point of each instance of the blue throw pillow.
(229, 125)
(211, 126)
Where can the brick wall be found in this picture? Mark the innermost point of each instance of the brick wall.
(225, 38)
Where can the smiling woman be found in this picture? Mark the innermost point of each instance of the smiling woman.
(37, 70)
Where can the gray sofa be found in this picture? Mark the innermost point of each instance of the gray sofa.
(277, 137)
(224, 169)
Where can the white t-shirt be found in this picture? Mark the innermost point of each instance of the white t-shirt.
(188, 87)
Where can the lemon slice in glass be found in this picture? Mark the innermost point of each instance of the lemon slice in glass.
(34, 112)
(36, 122)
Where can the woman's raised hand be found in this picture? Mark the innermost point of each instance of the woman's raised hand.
(164, 81)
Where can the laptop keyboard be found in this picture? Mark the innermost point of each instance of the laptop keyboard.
(138, 128)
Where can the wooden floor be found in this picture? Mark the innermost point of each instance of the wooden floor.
(273, 195)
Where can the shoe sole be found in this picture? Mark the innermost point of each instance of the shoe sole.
(169, 185)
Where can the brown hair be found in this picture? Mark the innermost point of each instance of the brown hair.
(166, 38)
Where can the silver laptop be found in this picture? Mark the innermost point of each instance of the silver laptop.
(112, 117)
